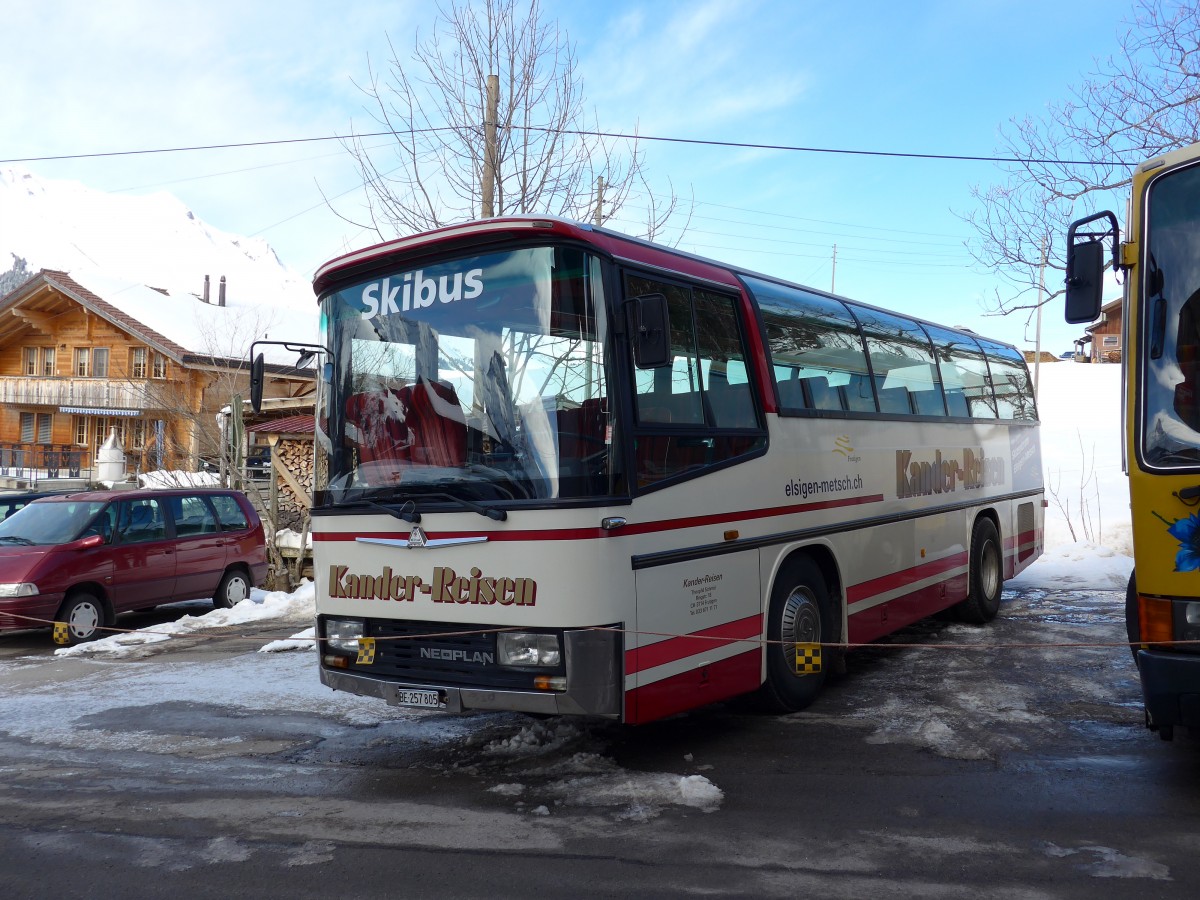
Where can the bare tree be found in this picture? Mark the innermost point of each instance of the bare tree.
(549, 157)
(1079, 156)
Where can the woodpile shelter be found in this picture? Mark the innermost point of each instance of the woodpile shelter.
(82, 357)
(291, 470)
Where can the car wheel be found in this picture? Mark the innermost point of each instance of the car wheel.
(986, 575)
(800, 612)
(84, 615)
(233, 589)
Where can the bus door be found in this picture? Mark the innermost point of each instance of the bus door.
(696, 420)
(697, 634)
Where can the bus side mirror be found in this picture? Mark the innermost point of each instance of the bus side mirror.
(1085, 282)
(651, 330)
(257, 366)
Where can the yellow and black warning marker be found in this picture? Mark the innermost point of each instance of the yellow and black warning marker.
(808, 659)
(60, 633)
(366, 651)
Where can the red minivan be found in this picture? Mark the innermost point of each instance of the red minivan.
(83, 558)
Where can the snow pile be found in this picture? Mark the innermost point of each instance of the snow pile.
(260, 606)
(161, 479)
(1089, 537)
(290, 540)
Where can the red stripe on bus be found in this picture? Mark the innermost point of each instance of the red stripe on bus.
(1024, 537)
(634, 528)
(698, 687)
(683, 646)
(885, 583)
(888, 617)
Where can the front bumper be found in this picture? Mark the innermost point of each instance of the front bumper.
(1170, 688)
(40, 610)
(595, 684)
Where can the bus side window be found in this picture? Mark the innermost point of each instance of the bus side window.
(816, 350)
(682, 409)
(903, 363)
(964, 373)
(1011, 382)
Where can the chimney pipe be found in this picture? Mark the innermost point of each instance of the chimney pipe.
(205, 297)
(221, 292)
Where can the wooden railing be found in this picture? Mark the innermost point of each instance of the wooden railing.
(92, 393)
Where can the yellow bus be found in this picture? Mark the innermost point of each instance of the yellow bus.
(1161, 403)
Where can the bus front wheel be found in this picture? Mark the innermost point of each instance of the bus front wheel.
(800, 613)
(986, 574)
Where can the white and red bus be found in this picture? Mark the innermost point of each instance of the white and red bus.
(564, 471)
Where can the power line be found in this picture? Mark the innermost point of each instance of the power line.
(703, 142)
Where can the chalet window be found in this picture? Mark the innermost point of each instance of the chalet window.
(137, 362)
(79, 425)
(160, 366)
(37, 361)
(101, 426)
(36, 428)
(137, 434)
(83, 362)
(100, 362)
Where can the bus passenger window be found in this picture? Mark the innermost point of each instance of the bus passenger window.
(1011, 382)
(965, 373)
(902, 361)
(816, 351)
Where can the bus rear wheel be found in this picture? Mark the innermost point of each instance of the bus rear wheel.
(800, 612)
(986, 575)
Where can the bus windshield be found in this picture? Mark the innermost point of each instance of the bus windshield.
(480, 378)
(1171, 333)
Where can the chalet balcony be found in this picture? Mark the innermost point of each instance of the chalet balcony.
(98, 396)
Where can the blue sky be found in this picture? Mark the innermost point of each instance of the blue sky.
(921, 77)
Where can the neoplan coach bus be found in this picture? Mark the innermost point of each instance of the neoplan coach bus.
(564, 471)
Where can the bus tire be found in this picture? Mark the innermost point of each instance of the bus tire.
(986, 574)
(1133, 624)
(800, 612)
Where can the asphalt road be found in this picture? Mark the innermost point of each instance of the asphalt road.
(981, 768)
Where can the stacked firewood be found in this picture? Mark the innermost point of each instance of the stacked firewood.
(296, 454)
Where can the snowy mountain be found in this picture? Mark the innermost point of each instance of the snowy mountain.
(152, 241)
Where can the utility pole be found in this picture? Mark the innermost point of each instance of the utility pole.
(490, 154)
(598, 219)
(833, 277)
(1037, 341)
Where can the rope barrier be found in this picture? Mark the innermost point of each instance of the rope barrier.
(758, 641)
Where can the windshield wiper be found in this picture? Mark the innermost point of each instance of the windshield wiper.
(26, 542)
(406, 510)
(497, 515)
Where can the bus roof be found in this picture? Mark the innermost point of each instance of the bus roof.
(620, 246)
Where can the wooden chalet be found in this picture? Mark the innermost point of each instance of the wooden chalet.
(76, 365)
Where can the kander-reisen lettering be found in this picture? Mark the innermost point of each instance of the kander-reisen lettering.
(446, 586)
(943, 475)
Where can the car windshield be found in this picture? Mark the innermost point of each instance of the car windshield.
(51, 522)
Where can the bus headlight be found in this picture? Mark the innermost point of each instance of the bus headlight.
(524, 648)
(342, 634)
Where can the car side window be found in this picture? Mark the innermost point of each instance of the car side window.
(192, 516)
(140, 520)
(229, 513)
